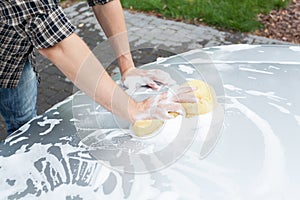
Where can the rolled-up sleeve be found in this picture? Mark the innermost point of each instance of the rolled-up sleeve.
(96, 2)
(48, 29)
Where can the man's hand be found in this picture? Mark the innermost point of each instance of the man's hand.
(160, 106)
(135, 78)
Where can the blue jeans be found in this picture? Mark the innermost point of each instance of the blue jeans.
(18, 105)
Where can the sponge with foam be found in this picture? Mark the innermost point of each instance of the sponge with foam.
(206, 101)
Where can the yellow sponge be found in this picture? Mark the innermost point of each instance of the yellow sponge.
(206, 99)
(143, 128)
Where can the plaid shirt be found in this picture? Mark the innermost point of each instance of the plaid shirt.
(26, 25)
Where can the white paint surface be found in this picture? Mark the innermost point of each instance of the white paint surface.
(186, 69)
(269, 95)
(255, 70)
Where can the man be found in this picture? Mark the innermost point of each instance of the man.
(29, 24)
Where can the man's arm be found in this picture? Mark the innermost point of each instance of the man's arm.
(111, 18)
(73, 57)
(76, 61)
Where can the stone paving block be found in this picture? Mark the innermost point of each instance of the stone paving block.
(184, 31)
(138, 24)
(151, 18)
(137, 21)
(49, 92)
(195, 46)
(212, 43)
(163, 36)
(132, 37)
(140, 42)
(84, 8)
(181, 36)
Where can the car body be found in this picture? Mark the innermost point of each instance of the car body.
(253, 153)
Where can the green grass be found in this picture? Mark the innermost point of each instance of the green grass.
(237, 15)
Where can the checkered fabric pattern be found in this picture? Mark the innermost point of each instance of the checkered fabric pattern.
(26, 25)
(95, 2)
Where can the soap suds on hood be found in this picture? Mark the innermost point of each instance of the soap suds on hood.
(51, 122)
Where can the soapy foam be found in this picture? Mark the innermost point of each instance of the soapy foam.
(165, 136)
(18, 140)
(177, 175)
(273, 67)
(280, 108)
(272, 174)
(269, 95)
(222, 67)
(237, 47)
(255, 62)
(186, 69)
(232, 87)
(161, 60)
(132, 82)
(255, 70)
(81, 105)
(22, 130)
(295, 48)
(52, 122)
(208, 172)
(59, 173)
(297, 118)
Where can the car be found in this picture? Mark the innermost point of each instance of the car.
(246, 148)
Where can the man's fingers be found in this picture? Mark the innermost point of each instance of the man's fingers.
(172, 107)
(183, 94)
(161, 106)
(152, 78)
(151, 83)
(156, 100)
(185, 98)
(161, 77)
(185, 89)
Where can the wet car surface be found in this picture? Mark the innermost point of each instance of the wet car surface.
(254, 154)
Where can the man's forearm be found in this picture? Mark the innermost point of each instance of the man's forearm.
(111, 18)
(76, 61)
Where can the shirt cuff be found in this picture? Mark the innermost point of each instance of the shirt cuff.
(47, 30)
(96, 2)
